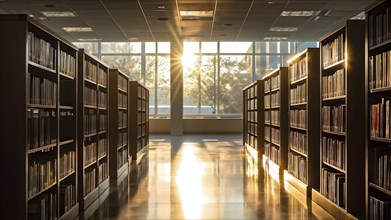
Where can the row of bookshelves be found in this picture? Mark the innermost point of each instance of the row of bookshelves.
(61, 112)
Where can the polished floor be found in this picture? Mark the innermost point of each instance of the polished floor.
(201, 177)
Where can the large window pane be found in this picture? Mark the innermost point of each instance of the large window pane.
(209, 47)
(89, 47)
(264, 64)
(115, 47)
(150, 47)
(163, 85)
(235, 74)
(191, 47)
(236, 47)
(208, 85)
(163, 47)
(150, 81)
(267, 47)
(128, 64)
(191, 76)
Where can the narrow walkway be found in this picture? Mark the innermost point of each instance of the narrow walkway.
(202, 177)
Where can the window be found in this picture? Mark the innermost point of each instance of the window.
(146, 62)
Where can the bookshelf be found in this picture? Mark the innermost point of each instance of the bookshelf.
(118, 124)
(93, 160)
(378, 51)
(138, 121)
(304, 117)
(342, 145)
(276, 119)
(40, 124)
(253, 119)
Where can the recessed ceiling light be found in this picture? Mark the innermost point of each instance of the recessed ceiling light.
(89, 39)
(198, 14)
(228, 25)
(59, 14)
(77, 29)
(283, 29)
(270, 2)
(297, 13)
(275, 38)
(161, 7)
(133, 38)
(49, 5)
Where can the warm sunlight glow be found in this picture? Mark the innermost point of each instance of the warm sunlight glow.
(189, 180)
(188, 60)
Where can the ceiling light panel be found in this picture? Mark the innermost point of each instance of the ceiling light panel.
(77, 29)
(59, 14)
(283, 29)
(199, 14)
(297, 13)
(275, 38)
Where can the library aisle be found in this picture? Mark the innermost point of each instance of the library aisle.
(202, 177)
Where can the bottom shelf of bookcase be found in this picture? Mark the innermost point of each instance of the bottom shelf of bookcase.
(71, 213)
(274, 167)
(299, 185)
(252, 152)
(141, 154)
(89, 199)
(89, 211)
(103, 186)
(122, 172)
(332, 208)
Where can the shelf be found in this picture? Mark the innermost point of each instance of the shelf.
(298, 152)
(36, 65)
(102, 86)
(68, 175)
(298, 184)
(332, 208)
(46, 147)
(90, 106)
(300, 129)
(334, 167)
(275, 107)
(64, 107)
(334, 132)
(299, 80)
(102, 108)
(42, 191)
(90, 164)
(298, 104)
(102, 132)
(122, 90)
(379, 45)
(274, 90)
(67, 142)
(384, 89)
(275, 144)
(90, 81)
(89, 135)
(122, 108)
(42, 106)
(101, 157)
(121, 128)
(334, 65)
(66, 76)
(379, 188)
(378, 139)
(337, 98)
(274, 125)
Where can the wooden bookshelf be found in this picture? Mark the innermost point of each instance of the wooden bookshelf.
(253, 120)
(378, 86)
(40, 134)
(304, 114)
(93, 160)
(276, 119)
(118, 124)
(342, 145)
(138, 121)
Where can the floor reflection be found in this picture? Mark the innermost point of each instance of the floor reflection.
(202, 177)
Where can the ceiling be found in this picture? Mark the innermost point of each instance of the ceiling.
(159, 20)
